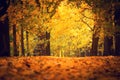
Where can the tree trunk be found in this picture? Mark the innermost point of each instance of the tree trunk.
(4, 30)
(4, 38)
(1, 39)
(14, 41)
(117, 44)
(94, 49)
(27, 42)
(22, 41)
(117, 33)
(7, 38)
(108, 42)
(48, 43)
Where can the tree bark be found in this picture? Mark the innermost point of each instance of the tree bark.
(7, 38)
(117, 44)
(27, 41)
(1, 39)
(94, 49)
(48, 43)
(108, 42)
(117, 33)
(4, 38)
(22, 41)
(14, 41)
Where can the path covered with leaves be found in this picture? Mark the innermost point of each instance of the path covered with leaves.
(54, 68)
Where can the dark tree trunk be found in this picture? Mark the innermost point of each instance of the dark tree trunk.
(1, 39)
(14, 41)
(27, 41)
(4, 38)
(117, 34)
(108, 42)
(94, 48)
(22, 41)
(4, 30)
(117, 44)
(7, 38)
(48, 43)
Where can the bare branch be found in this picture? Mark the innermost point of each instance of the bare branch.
(87, 17)
(87, 25)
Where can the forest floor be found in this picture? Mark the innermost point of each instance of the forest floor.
(54, 68)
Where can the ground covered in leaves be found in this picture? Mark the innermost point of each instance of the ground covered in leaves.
(54, 68)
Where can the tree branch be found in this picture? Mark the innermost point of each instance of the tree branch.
(87, 17)
(4, 4)
(87, 25)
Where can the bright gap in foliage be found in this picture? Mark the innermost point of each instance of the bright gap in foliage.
(71, 35)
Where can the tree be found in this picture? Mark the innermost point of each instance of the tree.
(105, 16)
(117, 25)
(33, 16)
(97, 11)
(47, 10)
(112, 30)
(70, 36)
(22, 41)
(15, 41)
(110, 21)
(27, 42)
(4, 29)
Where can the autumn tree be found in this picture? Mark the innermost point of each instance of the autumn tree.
(104, 19)
(32, 17)
(14, 29)
(4, 28)
(70, 36)
(47, 9)
(60, 21)
(110, 28)
(117, 26)
(97, 25)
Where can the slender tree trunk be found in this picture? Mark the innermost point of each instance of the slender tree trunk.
(94, 49)
(48, 43)
(27, 42)
(113, 45)
(22, 41)
(14, 41)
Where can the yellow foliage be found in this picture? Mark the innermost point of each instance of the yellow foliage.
(69, 33)
(67, 29)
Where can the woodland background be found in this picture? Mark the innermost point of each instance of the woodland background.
(59, 27)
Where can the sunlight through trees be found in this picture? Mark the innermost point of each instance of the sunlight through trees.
(60, 27)
(70, 36)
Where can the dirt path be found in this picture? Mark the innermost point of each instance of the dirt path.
(53, 68)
